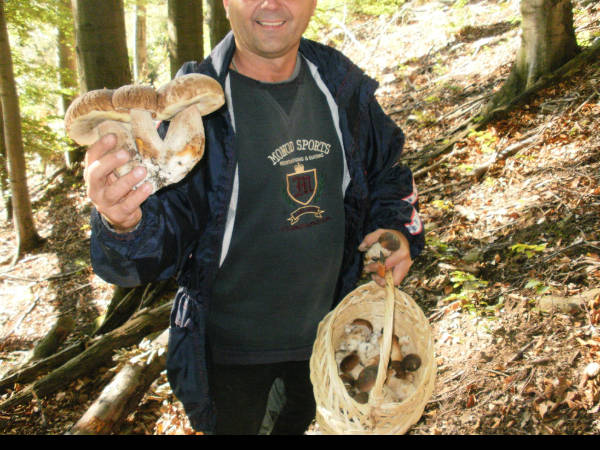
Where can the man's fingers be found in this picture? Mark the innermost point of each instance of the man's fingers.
(98, 149)
(401, 270)
(370, 239)
(118, 190)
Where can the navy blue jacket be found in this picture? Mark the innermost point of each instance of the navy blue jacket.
(183, 226)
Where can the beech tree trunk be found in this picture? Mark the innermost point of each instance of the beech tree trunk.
(186, 41)
(67, 66)
(140, 66)
(101, 44)
(4, 183)
(217, 21)
(27, 236)
(547, 42)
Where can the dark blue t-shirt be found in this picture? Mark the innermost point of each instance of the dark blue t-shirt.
(279, 276)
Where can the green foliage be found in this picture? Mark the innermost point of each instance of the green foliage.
(33, 30)
(538, 286)
(467, 289)
(528, 250)
(440, 249)
(486, 139)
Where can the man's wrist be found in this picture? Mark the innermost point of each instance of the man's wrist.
(118, 230)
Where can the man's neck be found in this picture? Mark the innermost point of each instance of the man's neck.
(265, 69)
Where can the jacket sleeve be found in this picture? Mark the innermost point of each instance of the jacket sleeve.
(393, 194)
(161, 244)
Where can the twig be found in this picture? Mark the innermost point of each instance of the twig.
(51, 277)
(18, 324)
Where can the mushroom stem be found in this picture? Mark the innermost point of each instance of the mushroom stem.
(149, 143)
(122, 132)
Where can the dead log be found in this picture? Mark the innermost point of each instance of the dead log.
(31, 371)
(123, 394)
(54, 338)
(126, 300)
(97, 354)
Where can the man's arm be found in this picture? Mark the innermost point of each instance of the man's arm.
(137, 237)
(393, 196)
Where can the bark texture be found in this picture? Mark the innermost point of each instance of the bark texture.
(140, 66)
(547, 42)
(217, 21)
(186, 41)
(123, 394)
(27, 236)
(101, 44)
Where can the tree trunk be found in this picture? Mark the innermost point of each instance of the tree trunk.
(217, 21)
(98, 353)
(123, 394)
(185, 32)
(4, 183)
(101, 44)
(27, 236)
(140, 66)
(67, 62)
(547, 42)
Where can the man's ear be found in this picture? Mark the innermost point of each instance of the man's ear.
(226, 6)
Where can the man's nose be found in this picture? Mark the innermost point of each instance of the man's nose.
(270, 4)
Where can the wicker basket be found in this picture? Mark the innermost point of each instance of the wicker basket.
(390, 309)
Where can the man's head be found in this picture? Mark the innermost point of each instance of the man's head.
(269, 28)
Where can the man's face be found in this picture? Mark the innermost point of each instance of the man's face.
(269, 28)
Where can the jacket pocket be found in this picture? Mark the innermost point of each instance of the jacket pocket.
(186, 360)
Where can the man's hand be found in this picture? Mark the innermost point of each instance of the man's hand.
(114, 197)
(399, 261)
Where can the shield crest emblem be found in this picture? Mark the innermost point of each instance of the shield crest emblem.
(302, 184)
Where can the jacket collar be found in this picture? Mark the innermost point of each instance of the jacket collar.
(341, 76)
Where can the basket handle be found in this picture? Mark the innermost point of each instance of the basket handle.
(376, 396)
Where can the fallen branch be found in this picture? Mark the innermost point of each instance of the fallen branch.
(507, 152)
(35, 302)
(37, 368)
(123, 394)
(96, 355)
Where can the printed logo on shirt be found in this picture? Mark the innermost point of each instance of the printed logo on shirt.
(301, 187)
(293, 152)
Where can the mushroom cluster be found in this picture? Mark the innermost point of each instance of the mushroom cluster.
(357, 357)
(131, 113)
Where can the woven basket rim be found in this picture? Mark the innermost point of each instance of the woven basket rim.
(335, 408)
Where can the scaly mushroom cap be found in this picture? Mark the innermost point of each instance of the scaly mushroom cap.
(89, 110)
(135, 96)
(188, 89)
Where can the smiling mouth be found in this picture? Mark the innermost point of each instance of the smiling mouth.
(271, 24)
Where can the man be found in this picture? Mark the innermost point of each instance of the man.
(299, 174)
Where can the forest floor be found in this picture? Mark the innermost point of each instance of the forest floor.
(510, 277)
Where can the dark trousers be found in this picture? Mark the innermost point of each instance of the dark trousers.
(241, 394)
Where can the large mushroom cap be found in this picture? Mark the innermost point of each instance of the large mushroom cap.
(179, 93)
(87, 111)
(135, 96)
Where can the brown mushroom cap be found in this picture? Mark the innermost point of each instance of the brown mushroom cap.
(411, 362)
(135, 96)
(179, 93)
(349, 362)
(364, 323)
(89, 110)
(390, 240)
(366, 379)
(361, 397)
